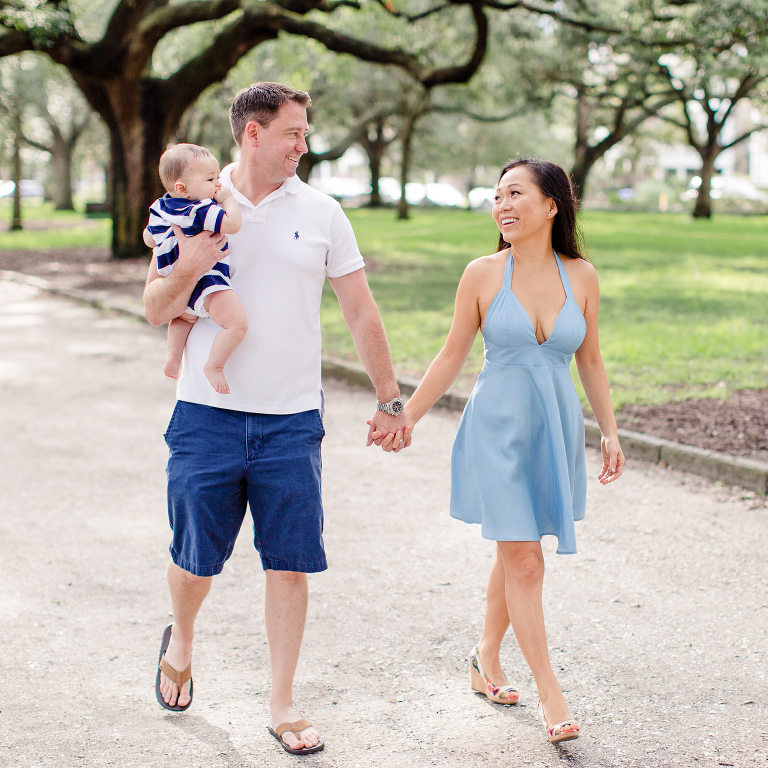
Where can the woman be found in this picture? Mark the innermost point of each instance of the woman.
(518, 461)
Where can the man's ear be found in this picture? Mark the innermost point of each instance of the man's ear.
(252, 131)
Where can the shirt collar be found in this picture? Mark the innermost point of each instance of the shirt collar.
(290, 186)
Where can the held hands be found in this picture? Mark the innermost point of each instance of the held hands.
(613, 459)
(390, 433)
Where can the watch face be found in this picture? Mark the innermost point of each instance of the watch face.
(396, 407)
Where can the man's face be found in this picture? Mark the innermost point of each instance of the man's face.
(281, 144)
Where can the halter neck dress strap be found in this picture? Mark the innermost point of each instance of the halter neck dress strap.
(563, 276)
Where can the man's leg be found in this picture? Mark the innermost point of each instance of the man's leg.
(206, 505)
(285, 612)
(187, 594)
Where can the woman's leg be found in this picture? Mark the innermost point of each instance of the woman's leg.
(523, 565)
(495, 625)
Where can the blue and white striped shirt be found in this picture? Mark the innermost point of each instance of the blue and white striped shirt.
(193, 216)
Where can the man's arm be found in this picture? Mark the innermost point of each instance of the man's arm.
(364, 322)
(167, 298)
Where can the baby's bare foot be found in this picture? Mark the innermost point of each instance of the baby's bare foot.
(172, 368)
(217, 379)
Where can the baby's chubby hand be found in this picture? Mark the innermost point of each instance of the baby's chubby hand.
(222, 194)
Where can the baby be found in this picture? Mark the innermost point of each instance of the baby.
(196, 201)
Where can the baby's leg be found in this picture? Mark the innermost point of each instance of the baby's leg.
(178, 330)
(227, 311)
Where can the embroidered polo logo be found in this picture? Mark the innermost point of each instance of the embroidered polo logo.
(296, 235)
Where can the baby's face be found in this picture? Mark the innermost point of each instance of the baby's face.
(202, 178)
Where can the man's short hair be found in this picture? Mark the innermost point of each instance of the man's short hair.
(261, 102)
(174, 161)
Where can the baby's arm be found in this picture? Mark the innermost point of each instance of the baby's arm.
(233, 218)
(149, 241)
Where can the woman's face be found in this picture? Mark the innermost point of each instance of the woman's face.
(520, 209)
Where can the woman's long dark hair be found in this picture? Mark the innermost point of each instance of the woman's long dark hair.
(553, 182)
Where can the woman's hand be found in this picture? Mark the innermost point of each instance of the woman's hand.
(613, 459)
(393, 442)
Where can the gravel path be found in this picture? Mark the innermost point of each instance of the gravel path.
(658, 625)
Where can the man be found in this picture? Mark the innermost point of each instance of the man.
(260, 444)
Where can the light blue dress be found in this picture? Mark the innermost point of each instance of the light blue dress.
(518, 465)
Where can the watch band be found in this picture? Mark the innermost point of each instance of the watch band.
(394, 407)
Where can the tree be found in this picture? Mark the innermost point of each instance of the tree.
(727, 66)
(615, 92)
(57, 117)
(599, 72)
(12, 79)
(142, 108)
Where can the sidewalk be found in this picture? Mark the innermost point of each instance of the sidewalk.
(657, 626)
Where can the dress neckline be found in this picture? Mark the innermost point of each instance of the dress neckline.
(564, 282)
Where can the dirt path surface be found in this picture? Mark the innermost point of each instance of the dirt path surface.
(657, 626)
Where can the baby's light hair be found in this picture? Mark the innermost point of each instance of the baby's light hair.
(174, 161)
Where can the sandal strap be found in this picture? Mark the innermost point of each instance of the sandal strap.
(295, 727)
(556, 730)
(173, 674)
(492, 687)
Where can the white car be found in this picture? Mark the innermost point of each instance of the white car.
(737, 187)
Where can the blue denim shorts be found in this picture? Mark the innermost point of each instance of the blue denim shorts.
(223, 461)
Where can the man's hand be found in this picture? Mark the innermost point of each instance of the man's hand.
(198, 254)
(390, 433)
(167, 298)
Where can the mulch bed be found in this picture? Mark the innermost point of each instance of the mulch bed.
(738, 425)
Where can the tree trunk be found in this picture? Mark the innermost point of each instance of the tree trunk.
(140, 120)
(583, 162)
(703, 207)
(134, 187)
(374, 165)
(136, 142)
(16, 166)
(62, 173)
(405, 164)
(374, 148)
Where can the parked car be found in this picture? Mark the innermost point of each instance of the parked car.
(435, 193)
(27, 187)
(482, 198)
(349, 191)
(736, 187)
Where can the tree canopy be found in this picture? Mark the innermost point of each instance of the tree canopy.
(142, 107)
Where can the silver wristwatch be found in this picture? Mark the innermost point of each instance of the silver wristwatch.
(394, 407)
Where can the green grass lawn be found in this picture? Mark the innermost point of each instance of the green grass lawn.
(46, 228)
(684, 309)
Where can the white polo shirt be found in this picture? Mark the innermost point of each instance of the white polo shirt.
(279, 260)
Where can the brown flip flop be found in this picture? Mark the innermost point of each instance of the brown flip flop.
(178, 677)
(295, 727)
